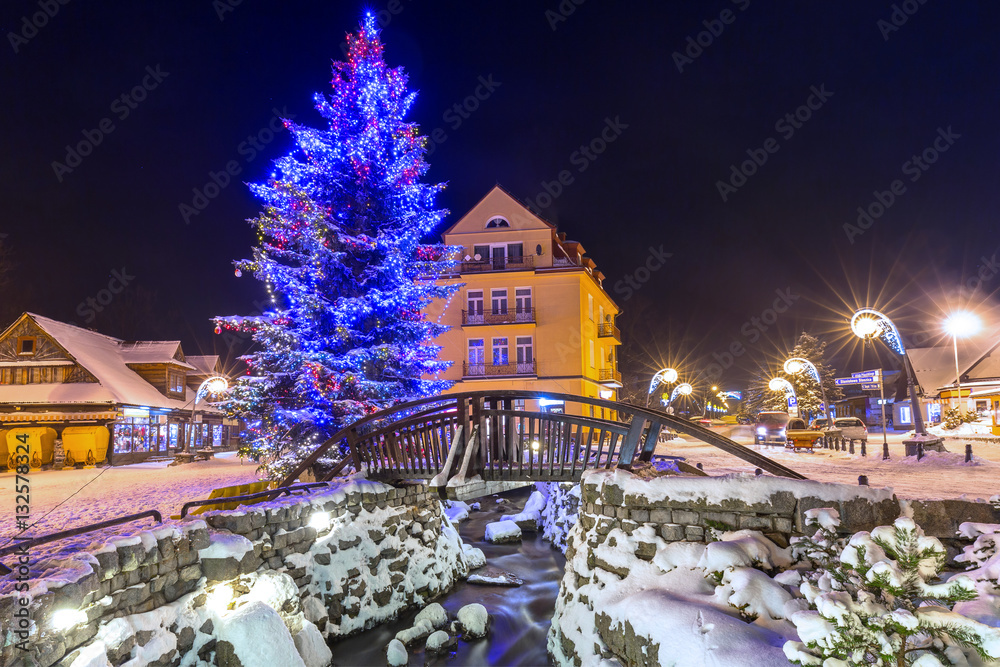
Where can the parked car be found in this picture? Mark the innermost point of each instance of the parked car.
(819, 424)
(770, 428)
(851, 428)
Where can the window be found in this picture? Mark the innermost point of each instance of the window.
(477, 356)
(522, 303)
(474, 299)
(904, 414)
(499, 297)
(497, 221)
(499, 257)
(175, 382)
(592, 354)
(26, 345)
(525, 355)
(590, 308)
(515, 252)
(501, 352)
(519, 405)
(482, 253)
(600, 314)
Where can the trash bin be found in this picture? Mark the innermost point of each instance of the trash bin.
(85, 444)
(40, 441)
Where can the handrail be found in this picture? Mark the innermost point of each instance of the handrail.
(287, 490)
(22, 545)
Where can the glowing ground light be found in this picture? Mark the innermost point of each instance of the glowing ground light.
(319, 520)
(65, 619)
(219, 599)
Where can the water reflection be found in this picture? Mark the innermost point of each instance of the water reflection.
(519, 617)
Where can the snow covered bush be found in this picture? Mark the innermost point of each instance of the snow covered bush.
(984, 546)
(953, 418)
(881, 601)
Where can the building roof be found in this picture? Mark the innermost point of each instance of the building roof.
(152, 352)
(935, 366)
(206, 364)
(102, 356)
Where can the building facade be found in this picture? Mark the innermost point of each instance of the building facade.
(56, 375)
(532, 312)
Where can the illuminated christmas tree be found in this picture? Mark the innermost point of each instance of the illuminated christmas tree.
(340, 252)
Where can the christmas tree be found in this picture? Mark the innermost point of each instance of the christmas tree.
(341, 255)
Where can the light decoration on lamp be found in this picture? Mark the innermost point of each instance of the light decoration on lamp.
(796, 365)
(662, 376)
(339, 251)
(683, 389)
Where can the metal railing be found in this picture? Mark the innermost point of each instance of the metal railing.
(281, 490)
(499, 264)
(504, 316)
(498, 370)
(608, 330)
(610, 375)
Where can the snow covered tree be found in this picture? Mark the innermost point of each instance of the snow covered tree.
(881, 602)
(341, 255)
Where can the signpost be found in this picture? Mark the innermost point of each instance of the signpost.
(870, 381)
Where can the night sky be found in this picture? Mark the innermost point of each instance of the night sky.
(550, 79)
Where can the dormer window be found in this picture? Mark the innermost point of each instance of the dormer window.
(26, 345)
(497, 221)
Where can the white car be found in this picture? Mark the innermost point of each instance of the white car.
(851, 428)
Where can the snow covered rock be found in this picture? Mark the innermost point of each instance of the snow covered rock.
(476, 507)
(241, 634)
(433, 613)
(474, 619)
(456, 511)
(474, 557)
(419, 630)
(500, 532)
(495, 577)
(439, 642)
(312, 647)
(396, 655)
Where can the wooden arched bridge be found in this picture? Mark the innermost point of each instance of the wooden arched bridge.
(454, 437)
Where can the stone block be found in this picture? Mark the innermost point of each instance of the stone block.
(639, 516)
(108, 561)
(660, 515)
(193, 572)
(645, 550)
(694, 533)
(613, 495)
(782, 524)
(608, 510)
(685, 517)
(754, 522)
(730, 520)
(672, 532)
(130, 556)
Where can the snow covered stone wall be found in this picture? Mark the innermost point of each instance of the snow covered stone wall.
(560, 514)
(296, 570)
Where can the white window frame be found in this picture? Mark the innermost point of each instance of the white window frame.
(475, 316)
(481, 347)
(525, 353)
(494, 292)
(522, 311)
(501, 360)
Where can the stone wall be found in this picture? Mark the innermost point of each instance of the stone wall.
(352, 556)
(562, 504)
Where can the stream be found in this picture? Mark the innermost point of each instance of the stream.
(519, 617)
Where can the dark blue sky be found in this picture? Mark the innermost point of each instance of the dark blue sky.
(832, 104)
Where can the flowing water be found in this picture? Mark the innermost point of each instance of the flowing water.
(519, 617)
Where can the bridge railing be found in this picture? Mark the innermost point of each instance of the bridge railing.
(481, 433)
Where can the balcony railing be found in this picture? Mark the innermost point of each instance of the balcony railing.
(495, 370)
(500, 264)
(610, 375)
(505, 316)
(608, 330)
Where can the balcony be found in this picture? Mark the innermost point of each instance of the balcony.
(497, 370)
(522, 263)
(610, 376)
(505, 316)
(608, 330)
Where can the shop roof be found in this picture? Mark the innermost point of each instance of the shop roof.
(153, 352)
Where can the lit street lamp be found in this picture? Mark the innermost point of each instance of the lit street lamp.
(683, 389)
(781, 384)
(213, 385)
(795, 365)
(868, 324)
(662, 376)
(960, 324)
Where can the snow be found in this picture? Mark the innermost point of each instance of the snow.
(396, 655)
(456, 511)
(437, 641)
(226, 545)
(474, 557)
(418, 631)
(473, 618)
(93, 655)
(259, 637)
(312, 647)
(433, 613)
(503, 531)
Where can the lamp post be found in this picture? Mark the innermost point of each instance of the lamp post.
(683, 389)
(868, 324)
(781, 384)
(960, 324)
(213, 385)
(662, 376)
(795, 365)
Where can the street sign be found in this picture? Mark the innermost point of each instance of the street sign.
(873, 386)
(869, 375)
(840, 382)
(792, 401)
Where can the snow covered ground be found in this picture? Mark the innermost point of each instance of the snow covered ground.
(937, 475)
(63, 499)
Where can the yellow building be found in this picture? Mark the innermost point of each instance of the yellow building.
(532, 313)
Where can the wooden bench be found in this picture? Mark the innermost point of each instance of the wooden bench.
(204, 454)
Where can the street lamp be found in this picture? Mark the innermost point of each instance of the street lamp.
(213, 385)
(683, 389)
(781, 384)
(795, 365)
(960, 324)
(868, 324)
(662, 376)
